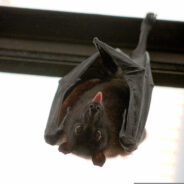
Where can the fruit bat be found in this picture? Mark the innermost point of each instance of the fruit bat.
(102, 104)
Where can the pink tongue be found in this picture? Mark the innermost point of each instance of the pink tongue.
(98, 98)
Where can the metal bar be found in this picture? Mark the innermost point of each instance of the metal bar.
(52, 43)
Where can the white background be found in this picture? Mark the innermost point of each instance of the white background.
(165, 9)
(25, 102)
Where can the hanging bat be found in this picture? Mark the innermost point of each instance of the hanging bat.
(102, 104)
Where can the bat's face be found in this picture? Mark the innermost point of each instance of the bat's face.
(87, 131)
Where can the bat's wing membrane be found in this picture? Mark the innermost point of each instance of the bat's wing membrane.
(138, 76)
(91, 68)
(54, 126)
(139, 79)
(137, 73)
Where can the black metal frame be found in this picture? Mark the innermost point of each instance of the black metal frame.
(51, 43)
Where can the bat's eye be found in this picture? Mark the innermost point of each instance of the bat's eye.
(91, 105)
(98, 108)
(78, 130)
(98, 135)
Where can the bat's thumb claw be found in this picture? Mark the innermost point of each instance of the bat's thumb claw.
(127, 144)
(50, 139)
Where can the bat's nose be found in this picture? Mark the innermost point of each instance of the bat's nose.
(94, 112)
(94, 108)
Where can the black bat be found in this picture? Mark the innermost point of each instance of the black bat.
(102, 104)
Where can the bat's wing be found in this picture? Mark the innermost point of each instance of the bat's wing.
(54, 126)
(139, 79)
(137, 73)
(88, 69)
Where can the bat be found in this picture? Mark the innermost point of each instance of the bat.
(102, 105)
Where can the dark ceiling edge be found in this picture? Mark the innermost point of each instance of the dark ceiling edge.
(46, 42)
(81, 28)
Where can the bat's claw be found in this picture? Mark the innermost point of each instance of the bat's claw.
(50, 139)
(127, 144)
(149, 21)
(150, 18)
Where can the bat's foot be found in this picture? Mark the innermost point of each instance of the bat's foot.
(65, 148)
(149, 21)
(146, 26)
(98, 159)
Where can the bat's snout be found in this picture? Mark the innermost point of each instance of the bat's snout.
(95, 111)
(96, 106)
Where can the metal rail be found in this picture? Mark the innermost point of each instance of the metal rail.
(52, 43)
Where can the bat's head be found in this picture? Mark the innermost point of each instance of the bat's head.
(87, 130)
